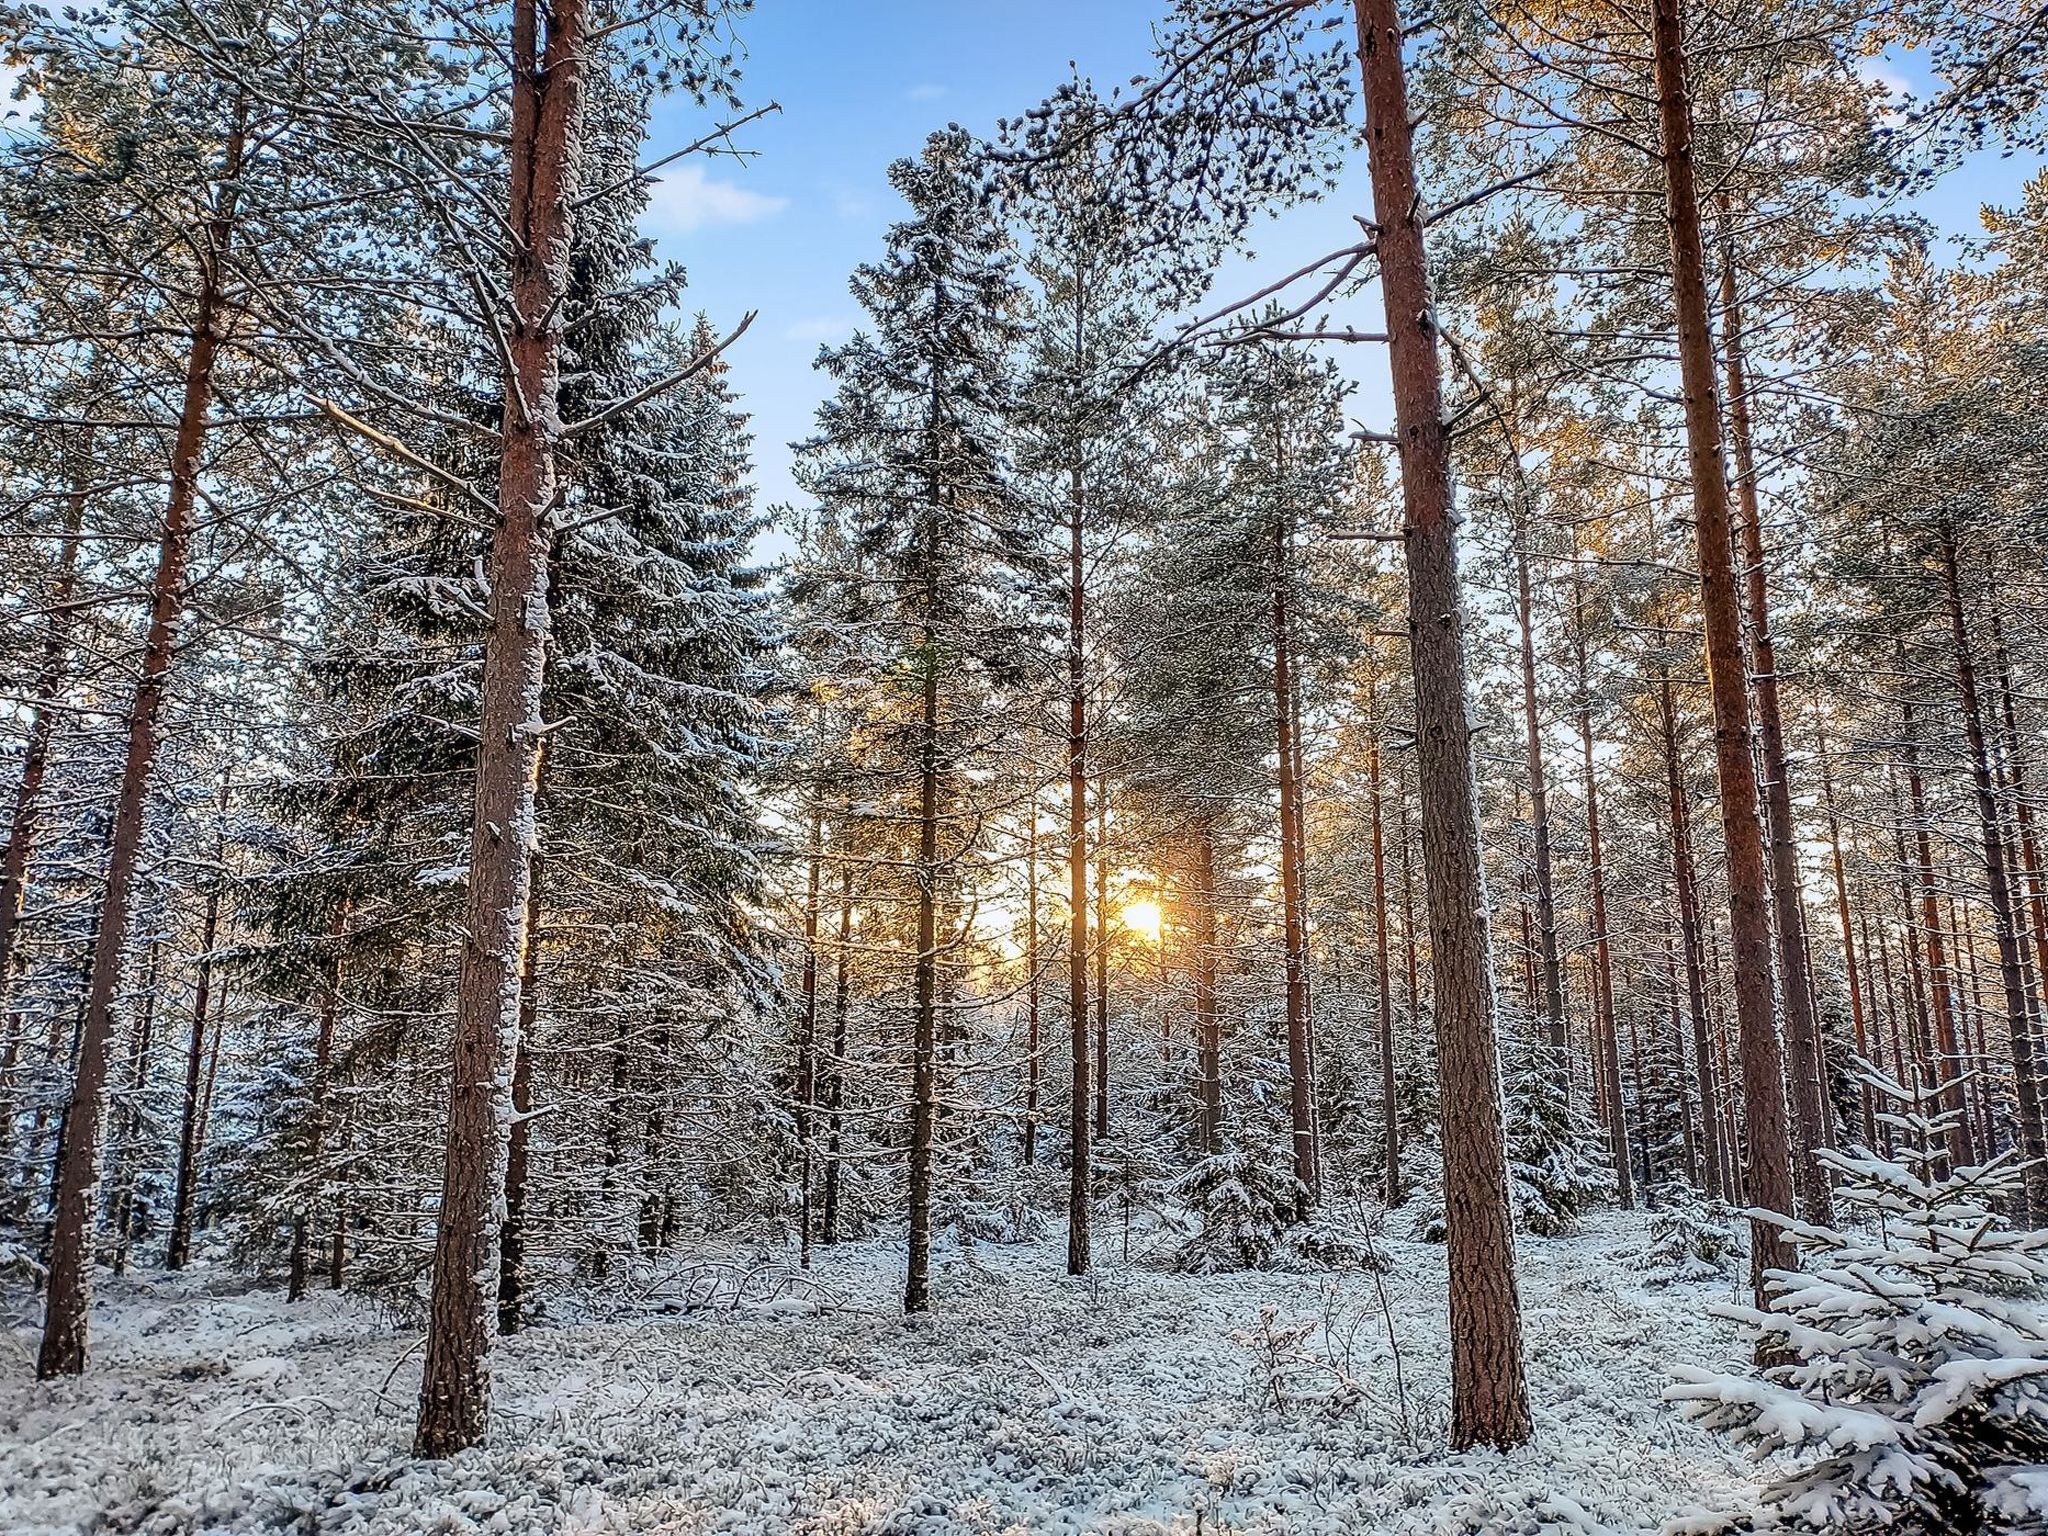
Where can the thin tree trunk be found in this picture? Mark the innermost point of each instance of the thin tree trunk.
(1539, 817)
(544, 159)
(924, 1045)
(835, 1082)
(1749, 911)
(1851, 972)
(1300, 1083)
(191, 1119)
(300, 1267)
(1603, 965)
(1489, 1391)
(1080, 1173)
(807, 1039)
(1102, 957)
(1684, 880)
(123, 1214)
(1033, 1065)
(1393, 1188)
(2026, 1066)
(69, 1301)
(1208, 1033)
(1948, 1055)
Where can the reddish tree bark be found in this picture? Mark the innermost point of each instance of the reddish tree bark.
(1742, 831)
(1804, 1067)
(544, 160)
(1489, 1391)
(66, 1318)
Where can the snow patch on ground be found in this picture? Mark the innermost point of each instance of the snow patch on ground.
(1135, 1401)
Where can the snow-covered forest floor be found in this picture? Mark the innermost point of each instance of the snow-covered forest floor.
(1133, 1401)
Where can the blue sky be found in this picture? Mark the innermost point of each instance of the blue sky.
(860, 85)
(863, 84)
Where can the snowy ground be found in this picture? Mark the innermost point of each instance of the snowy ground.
(1138, 1401)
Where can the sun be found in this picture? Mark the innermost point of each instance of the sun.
(1144, 918)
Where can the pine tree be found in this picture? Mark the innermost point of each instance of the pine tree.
(1910, 1358)
(912, 452)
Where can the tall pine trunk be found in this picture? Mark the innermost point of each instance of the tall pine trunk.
(1079, 1183)
(1300, 1081)
(925, 983)
(1489, 1390)
(1033, 1064)
(1539, 815)
(1763, 1080)
(1852, 971)
(66, 1318)
(1805, 1065)
(545, 155)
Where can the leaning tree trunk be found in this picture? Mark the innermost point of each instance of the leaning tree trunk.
(2026, 1063)
(1489, 1390)
(66, 1316)
(545, 153)
(1763, 1079)
(1805, 1062)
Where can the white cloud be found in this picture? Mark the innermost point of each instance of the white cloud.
(1878, 70)
(925, 92)
(686, 199)
(821, 328)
